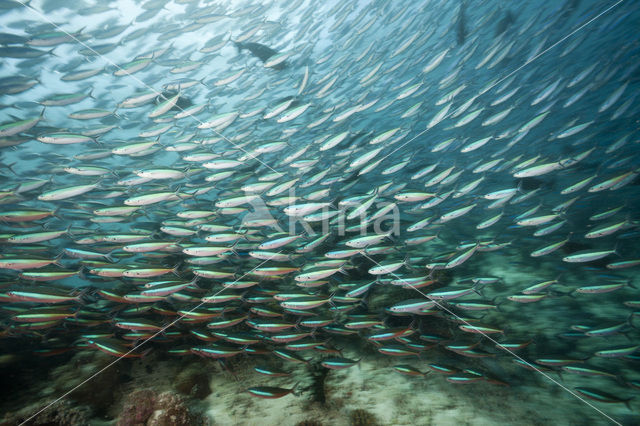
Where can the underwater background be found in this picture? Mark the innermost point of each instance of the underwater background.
(319, 213)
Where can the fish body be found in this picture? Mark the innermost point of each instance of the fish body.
(261, 52)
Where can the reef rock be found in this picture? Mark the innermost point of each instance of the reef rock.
(193, 382)
(147, 407)
(137, 407)
(61, 413)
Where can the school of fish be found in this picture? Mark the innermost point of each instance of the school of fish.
(451, 183)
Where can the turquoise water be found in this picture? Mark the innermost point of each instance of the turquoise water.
(257, 212)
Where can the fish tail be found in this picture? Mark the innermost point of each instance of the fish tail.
(175, 269)
(10, 167)
(203, 83)
(110, 258)
(630, 320)
(477, 289)
(81, 298)
(615, 249)
(233, 247)
(626, 403)
(57, 260)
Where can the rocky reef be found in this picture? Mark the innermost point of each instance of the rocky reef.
(62, 413)
(147, 407)
(150, 392)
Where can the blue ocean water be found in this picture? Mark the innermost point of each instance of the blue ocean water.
(294, 200)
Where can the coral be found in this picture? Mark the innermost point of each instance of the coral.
(61, 413)
(193, 381)
(146, 407)
(362, 417)
(171, 410)
(138, 406)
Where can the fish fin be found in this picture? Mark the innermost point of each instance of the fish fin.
(630, 320)
(233, 247)
(110, 258)
(204, 84)
(407, 262)
(68, 231)
(477, 290)
(57, 260)
(174, 270)
(81, 274)
(81, 296)
(9, 166)
(615, 249)
(626, 403)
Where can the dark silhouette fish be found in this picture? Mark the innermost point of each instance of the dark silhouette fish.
(461, 30)
(261, 52)
(569, 7)
(181, 104)
(8, 38)
(505, 23)
(12, 4)
(22, 52)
